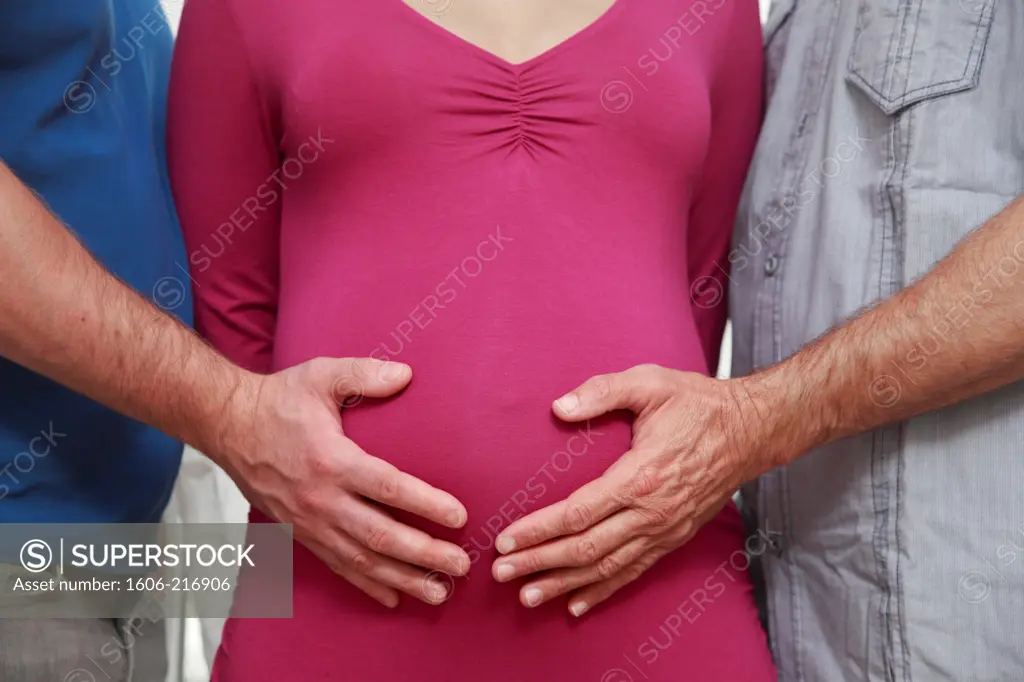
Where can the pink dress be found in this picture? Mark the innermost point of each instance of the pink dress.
(354, 180)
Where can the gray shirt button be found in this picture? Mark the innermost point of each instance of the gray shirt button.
(771, 265)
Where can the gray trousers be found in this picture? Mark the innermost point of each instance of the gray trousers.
(82, 650)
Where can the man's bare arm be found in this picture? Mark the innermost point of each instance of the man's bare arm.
(64, 316)
(883, 365)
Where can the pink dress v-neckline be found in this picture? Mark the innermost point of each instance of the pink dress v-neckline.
(588, 31)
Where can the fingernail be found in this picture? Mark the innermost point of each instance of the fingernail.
(504, 545)
(579, 608)
(392, 371)
(505, 571)
(533, 596)
(436, 592)
(457, 518)
(568, 403)
(460, 564)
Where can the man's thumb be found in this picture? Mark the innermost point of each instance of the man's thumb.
(353, 378)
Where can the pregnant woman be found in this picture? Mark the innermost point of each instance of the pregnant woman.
(509, 198)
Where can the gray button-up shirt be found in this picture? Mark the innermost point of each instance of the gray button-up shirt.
(893, 128)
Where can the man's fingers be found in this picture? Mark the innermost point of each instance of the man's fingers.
(415, 582)
(588, 505)
(566, 580)
(630, 390)
(383, 482)
(375, 529)
(330, 552)
(346, 555)
(592, 595)
(585, 549)
(382, 593)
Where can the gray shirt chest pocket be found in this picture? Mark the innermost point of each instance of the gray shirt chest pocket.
(907, 51)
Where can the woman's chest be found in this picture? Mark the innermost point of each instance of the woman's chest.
(385, 77)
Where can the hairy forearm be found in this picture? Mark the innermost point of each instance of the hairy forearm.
(64, 316)
(953, 334)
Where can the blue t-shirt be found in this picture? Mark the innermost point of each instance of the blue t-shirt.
(83, 89)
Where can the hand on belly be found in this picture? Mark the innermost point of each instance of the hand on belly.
(331, 490)
(690, 453)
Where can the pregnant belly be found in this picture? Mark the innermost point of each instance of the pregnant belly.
(495, 328)
(499, 307)
(489, 440)
(476, 421)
